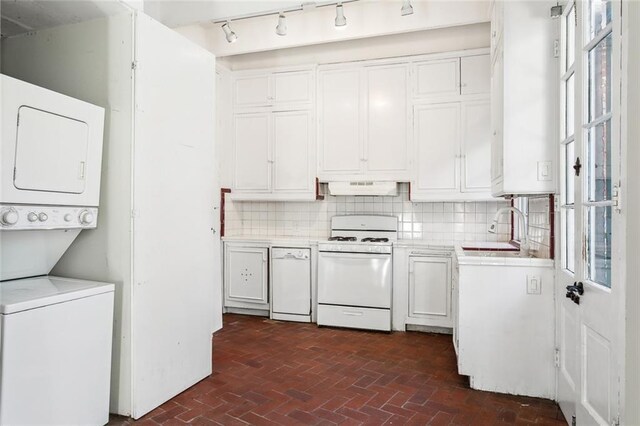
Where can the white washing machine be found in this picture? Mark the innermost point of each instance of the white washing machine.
(55, 333)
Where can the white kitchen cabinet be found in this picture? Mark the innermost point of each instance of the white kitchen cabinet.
(475, 75)
(246, 277)
(274, 156)
(430, 290)
(282, 88)
(364, 123)
(339, 131)
(436, 78)
(524, 93)
(386, 147)
(505, 331)
(476, 147)
(437, 139)
(452, 151)
(252, 152)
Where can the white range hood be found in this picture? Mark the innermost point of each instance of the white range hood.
(363, 188)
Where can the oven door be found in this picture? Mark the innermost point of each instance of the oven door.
(354, 279)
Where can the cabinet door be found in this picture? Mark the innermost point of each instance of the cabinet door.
(475, 75)
(252, 152)
(292, 87)
(437, 140)
(251, 91)
(497, 111)
(292, 152)
(437, 78)
(476, 146)
(430, 289)
(246, 277)
(387, 141)
(339, 133)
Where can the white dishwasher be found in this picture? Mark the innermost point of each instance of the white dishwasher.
(291, 284)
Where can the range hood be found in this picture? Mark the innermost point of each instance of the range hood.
(363, 188)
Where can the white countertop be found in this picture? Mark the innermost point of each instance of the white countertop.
(496, 259)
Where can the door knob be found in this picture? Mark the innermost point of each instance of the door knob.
(577, 287)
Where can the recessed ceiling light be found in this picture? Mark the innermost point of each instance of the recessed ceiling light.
(228, 32)
(407, 9)
(281, 29)
(341, 21)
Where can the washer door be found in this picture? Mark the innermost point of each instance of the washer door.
(51, 152)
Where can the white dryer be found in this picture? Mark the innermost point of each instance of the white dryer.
(55, 333)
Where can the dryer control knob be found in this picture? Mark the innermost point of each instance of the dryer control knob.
(43, 217)
(86, 217)
(32, 217)
(68, 217)
(9, 217)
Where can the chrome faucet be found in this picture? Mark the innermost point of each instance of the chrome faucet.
(524, 243)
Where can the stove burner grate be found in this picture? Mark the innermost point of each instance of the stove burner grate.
(375, 240)
(340, 238)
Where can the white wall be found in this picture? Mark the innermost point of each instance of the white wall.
(631, 86)
(443, 223)
(366, 18)
(414, 43)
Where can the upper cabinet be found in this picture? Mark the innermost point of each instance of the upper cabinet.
(452, 129)
(364, 122)
(279, 89)
(273, 135)
(274, 156)
(524, 81)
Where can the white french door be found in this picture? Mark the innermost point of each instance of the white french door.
(590, 317)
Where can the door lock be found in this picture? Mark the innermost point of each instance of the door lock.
(575, 291)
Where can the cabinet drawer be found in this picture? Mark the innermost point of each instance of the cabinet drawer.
(365, 318)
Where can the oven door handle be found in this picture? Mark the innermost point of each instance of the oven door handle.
(346, 255)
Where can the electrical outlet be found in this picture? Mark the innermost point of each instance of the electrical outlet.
(534, 284)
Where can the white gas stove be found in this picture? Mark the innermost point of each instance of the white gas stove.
(355, 272)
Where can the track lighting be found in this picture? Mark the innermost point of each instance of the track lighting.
(341, 21)
(281, 29)
(228, 32)
(407, 9)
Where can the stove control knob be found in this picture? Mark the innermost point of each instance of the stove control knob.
(68, 217)
(9, 217)
(86, 217)
(43, 217)
(32, 217)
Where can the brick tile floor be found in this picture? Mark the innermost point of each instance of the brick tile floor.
(278, 373)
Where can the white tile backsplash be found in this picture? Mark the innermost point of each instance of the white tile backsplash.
(433, 222)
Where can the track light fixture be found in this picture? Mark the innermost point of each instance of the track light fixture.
(228, 32)
(340, 21)
(281, 28)
(407, 9)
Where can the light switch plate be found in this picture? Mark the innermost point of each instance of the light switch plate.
(534, 284)
(544, 171)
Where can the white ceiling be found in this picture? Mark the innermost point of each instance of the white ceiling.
(20, 16)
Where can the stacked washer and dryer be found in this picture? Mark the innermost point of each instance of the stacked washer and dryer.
(55, 333)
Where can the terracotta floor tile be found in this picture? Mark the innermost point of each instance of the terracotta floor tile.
(271, 372)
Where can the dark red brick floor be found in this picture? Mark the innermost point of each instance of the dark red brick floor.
(269, 372)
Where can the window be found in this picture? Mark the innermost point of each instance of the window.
(597, 185)
(567, 140)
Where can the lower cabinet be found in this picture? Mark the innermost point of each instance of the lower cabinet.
(430, 291)
(422, 289)
(246, 277)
